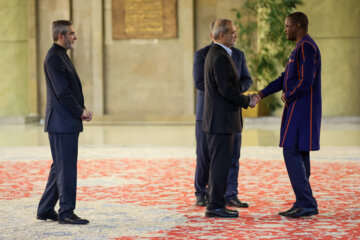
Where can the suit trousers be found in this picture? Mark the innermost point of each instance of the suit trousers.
(298, 167)
(61, 184)
(220, 150)
(203, 165)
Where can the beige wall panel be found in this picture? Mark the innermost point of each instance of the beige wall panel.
(82, 54)
(14, 58)
(32, 59)
(13, 14)
(340, 77)
(150, 78)
(223, 8)
(97, 46)
(187, 31)
(205, 14)
(14, 79)
(48, 11)
(332, 24)
(332, 18)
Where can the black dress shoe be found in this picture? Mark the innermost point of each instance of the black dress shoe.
(73, 219)
(52, 215)
(233, 211)
(221, 213)
(302, 212)
(235, 202)
(200, 201)
(288, 211)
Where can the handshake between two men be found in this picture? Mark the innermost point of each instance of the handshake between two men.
(254, 99)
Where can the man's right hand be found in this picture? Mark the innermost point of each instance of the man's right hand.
(254, 99)
(86, 115)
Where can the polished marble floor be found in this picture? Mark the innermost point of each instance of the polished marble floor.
(257, 132)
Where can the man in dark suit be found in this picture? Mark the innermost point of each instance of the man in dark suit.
(222, 114)
(202, 152)
(65, 111)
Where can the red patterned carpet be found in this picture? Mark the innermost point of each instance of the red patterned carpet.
(127, 198)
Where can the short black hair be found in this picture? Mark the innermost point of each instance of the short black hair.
(299, 17)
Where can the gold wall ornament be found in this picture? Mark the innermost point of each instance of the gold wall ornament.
(144, 19)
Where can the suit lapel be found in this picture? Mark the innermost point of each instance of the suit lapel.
(233, 66)
(67, 59)
(223, 51)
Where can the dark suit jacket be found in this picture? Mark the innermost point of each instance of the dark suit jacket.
(198, 74)
(222, 93)
(65, 100)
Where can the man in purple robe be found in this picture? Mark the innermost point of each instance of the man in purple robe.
(300, 84)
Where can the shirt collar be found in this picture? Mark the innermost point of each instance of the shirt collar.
(228, 50)
(306, 36)
(58, 47)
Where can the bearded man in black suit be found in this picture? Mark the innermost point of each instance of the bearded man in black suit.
(202, 153)
(222, 113)
(65, 111)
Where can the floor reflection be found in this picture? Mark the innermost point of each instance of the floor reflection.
(255, 133)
